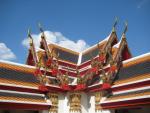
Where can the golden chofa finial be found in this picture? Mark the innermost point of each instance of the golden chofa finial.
(40, 27)
(126, 27)
(30, 37)
(41, 30)
(114, 25)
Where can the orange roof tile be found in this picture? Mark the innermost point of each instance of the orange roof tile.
(16, 82)
(128, 96)
(140, 77)
(24, 68)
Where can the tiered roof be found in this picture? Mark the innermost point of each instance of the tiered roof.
(132, 84)
(19, 87)
(106, 66)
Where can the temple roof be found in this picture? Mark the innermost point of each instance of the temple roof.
(106, 66)
(134, 68)
(131, 84)
(22, 100)
(18, 74)
(131, 71)
(71, 56)
(136, 98)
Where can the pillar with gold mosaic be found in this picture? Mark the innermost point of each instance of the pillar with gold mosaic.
(98, 97)
(53, 97)
(75, 102)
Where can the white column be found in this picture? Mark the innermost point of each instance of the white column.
(61, 99)
(84, 103)
(91, 104)
(63, 104)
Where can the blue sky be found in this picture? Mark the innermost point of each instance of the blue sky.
(88, 21)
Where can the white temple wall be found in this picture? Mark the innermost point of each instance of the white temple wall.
(87, 104)
(91, 107)
(63, 104)
(84, 103)
(61, 101)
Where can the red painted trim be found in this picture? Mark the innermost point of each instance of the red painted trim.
(69, 73)
(67, 64)
(12, 106)
(128, 103)
(88, 89)
(83, 72)
(100, 87)
(70, 69)
(131, 86)
(74, 67)
(104, 86)
(84, 64)
(21, 89)
(55, 89)
(30, 60)
(62, 71)
(126, 54)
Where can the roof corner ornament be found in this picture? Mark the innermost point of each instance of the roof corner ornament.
(114, 25)
(41, 29)
(125, 30)
(32, 46)
(126, 27)
(30, 37)
(43, 37)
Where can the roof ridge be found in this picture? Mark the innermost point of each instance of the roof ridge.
(105, 39)
(137, 57)
(17, 64)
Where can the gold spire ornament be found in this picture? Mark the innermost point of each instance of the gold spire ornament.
(126, 27)
(53, 97)
(98, 97)
(30, 37)
(79, 79)
(75, 102)
(40, 27)
(114, 25)
(32, 48)
(42, 31)
(66, 79)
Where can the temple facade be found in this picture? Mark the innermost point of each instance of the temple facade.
(104, 78)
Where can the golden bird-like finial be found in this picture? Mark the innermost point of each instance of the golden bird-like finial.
(41, 30)
(126, 27)
(29, 32)
(115, 23)
(40, 27)
(30, 37)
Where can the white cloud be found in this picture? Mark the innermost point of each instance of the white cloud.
(142, 3)
(6, 53)
(58, 38)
